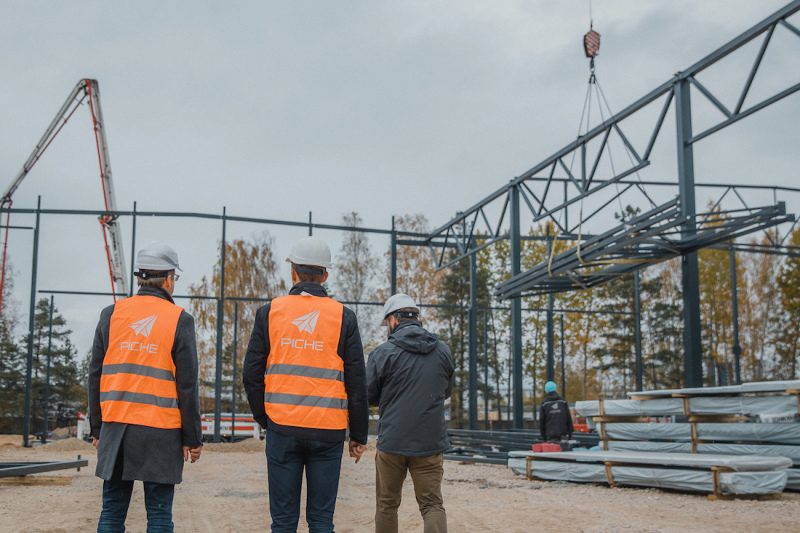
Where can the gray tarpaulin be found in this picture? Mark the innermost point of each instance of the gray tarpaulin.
(782, 405)
(738, 463)
(769, 450)
(752, 387)
(769, 482)
(737, 432)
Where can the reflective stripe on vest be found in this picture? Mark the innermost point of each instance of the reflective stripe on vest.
(138, 381)
(304, 379)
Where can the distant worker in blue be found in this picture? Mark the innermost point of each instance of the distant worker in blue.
(409, 377)
(555, 420)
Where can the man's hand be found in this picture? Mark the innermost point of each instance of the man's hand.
(95, 442)
(357, 450)
(193, 452)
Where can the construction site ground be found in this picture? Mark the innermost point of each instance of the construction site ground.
(226, 491)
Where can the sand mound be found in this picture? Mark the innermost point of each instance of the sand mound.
(70, 444)
(243, 446)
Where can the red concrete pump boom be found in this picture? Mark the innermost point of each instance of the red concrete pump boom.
(86, 89)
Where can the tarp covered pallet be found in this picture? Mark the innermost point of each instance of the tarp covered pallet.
(723, 476)
(753, 418)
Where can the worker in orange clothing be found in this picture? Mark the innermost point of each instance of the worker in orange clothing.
(144, 406)
(305, 379)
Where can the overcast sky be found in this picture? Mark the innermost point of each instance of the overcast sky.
(278, 109)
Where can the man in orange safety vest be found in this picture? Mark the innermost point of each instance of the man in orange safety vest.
(304, 374)
(143, 394)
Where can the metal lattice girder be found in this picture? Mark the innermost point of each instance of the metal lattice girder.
(536, 186)
(650, 238)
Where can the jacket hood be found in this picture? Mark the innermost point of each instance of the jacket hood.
(412, 337)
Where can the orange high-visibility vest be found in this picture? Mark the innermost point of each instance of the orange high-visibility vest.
(138, 381)
(304, 380)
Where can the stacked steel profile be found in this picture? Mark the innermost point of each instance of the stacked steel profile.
(739, 426)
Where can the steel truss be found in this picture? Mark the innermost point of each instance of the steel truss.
(539, 188)
(653, 237)
(674, 229)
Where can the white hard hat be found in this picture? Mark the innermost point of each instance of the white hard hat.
(310, 251)
(395, 302)
(157, 256)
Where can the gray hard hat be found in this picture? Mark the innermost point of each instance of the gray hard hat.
(157, 256)
(310, 251)
(395, 302)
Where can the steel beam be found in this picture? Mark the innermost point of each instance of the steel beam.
(516, 311)
(473, 342)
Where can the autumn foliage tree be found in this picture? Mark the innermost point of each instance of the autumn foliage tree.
(251, 273)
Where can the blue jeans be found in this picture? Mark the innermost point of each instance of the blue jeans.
(117, 497)
(286, 459)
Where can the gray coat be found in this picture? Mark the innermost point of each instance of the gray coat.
(148, 454)
(409, 377)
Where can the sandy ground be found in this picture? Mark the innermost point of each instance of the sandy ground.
(226, 491)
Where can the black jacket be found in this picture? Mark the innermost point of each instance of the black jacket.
(409, 378)
(349, 349)
(149, 454)
(555, 419)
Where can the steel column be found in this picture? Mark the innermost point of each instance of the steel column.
(233, 374)
(516, 309)
(563, 367)
(473, 342)
(737, 348)
(220, 319)
(485, 369)
(133, 248)
(638, 313)
(693, 356)
(393, 261)
(551, 364)
(47, 375)
(26, 417)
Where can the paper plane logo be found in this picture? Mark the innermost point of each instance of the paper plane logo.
(143, 326)
(307, 322)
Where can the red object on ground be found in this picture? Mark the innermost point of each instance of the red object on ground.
(546, 447)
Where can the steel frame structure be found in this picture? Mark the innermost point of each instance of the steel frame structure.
(535, 189)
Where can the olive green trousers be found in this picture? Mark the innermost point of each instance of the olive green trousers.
(426, 473)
